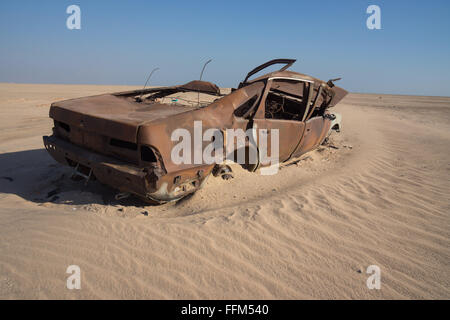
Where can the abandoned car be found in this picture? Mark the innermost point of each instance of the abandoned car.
(124, 139)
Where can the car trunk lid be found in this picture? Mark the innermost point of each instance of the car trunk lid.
(111, 116)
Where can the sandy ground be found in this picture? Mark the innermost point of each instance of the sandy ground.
(381, 198)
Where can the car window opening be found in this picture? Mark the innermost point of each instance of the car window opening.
(287, 101)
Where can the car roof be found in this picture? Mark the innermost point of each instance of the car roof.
(285, 74)
(281, 73)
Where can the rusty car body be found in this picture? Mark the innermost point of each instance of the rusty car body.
(124, 139)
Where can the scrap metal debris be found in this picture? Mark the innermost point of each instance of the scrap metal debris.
(223, 171)
(53, 192)
(122, 195)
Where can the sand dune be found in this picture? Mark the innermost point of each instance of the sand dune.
(381, 198)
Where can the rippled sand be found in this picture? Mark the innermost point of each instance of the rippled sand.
(381, 198)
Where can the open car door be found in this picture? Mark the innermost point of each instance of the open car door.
(287, 63)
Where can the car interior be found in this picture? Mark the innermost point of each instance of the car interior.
(287, 100)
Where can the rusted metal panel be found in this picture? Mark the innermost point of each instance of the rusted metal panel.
(290, 133)
(315, 130)
(121, 175)
(201, 86)
(124, 138)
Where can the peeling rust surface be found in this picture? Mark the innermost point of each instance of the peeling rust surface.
(124, 138)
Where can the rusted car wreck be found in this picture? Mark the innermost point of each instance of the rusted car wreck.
(124, 139)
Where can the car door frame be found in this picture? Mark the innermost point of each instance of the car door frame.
(260, 122)
(315, 128)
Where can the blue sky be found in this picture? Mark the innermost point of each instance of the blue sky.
(120, 42)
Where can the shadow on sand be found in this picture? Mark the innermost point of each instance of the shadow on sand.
(34, 176)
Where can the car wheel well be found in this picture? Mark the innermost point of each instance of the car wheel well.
(247, 164)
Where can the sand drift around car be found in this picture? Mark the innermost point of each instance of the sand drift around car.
(161, 144)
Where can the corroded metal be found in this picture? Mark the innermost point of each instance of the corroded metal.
(124, 138)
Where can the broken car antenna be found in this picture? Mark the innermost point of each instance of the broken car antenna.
(201, 75)
(330, 82)
(139, 98)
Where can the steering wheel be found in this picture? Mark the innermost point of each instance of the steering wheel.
(272, 108)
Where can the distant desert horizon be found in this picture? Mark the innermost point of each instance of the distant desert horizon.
(140, 86)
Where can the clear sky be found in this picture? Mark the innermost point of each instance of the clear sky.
(120, 42)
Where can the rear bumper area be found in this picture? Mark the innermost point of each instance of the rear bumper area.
(112, 172)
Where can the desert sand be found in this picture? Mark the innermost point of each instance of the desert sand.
(379, 196)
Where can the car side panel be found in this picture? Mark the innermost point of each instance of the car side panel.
(289, 133)
(315, 131)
